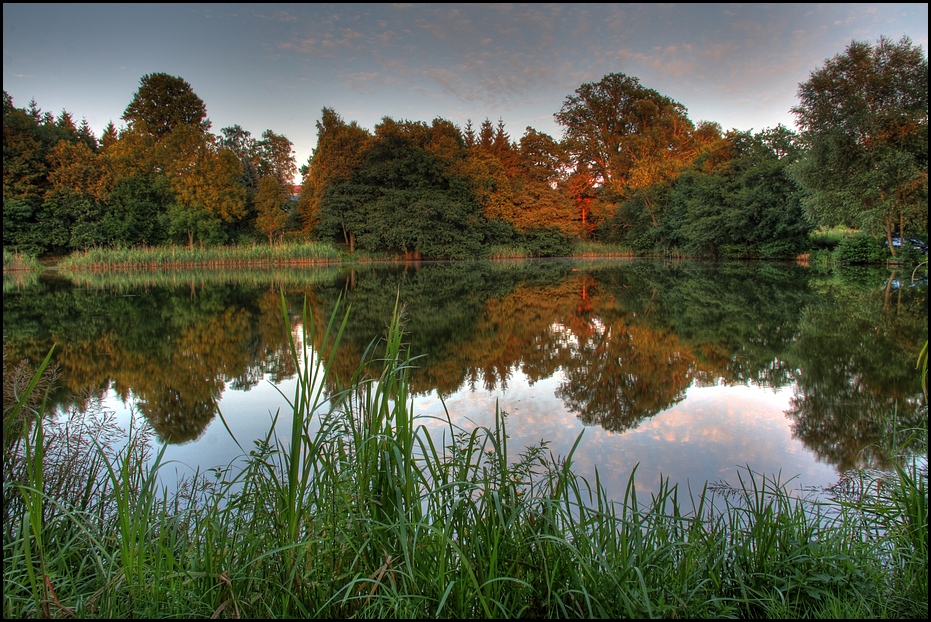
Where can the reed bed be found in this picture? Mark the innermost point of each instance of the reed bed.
(286, 277)
(16, 261)
(509, 252)
(596, 249)
(360, 511)
(168, 257)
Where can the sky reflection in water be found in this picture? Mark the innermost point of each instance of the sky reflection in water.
(691, 371)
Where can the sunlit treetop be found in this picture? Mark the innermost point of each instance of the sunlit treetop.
(163, 103)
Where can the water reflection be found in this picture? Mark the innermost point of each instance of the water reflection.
(618, 342)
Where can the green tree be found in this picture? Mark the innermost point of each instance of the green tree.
(134, 206)
(187, 223)
(69, 221)
(163, 103)
(399, 193)
(748, 206)
(864, 116)
(25, 148)
(19, 226)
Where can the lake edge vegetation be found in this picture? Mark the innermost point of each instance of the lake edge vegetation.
(361, 511)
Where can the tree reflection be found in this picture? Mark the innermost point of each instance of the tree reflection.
(856, 378)
(628, 338)
(170, 350)
(623, 374)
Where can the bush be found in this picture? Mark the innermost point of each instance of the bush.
(828, 239)
(546, 243)
(860, 248)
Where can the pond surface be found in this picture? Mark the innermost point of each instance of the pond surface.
(685, 370)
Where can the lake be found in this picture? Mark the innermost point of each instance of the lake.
(686, 370)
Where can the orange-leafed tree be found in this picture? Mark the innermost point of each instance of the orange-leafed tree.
(270, 201)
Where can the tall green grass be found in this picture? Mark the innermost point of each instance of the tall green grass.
(601, 249)
(209, 257)
(359, 510)
(286, 277)
(15, 261)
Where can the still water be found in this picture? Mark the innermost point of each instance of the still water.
(685, 370)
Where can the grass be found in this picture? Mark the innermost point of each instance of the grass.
(161, 257)
(287, 277)
(15, 261)
(825, 238)
(265, 256)
(592, 249)
(361, 512)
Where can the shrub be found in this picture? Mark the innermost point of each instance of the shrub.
(546, 243)
(860, 248)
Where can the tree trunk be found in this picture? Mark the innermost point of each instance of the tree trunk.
(889, 236)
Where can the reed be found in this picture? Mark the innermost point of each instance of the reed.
(16, 261)
(601, 249)
(281, 277)
(360, 510)
(163, 257)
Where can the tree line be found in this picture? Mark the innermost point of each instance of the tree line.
(631, 168)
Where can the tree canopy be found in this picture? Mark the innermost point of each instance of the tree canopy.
(630, 168)
(864, 118)
(163, 103)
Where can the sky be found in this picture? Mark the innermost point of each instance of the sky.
(276, 66)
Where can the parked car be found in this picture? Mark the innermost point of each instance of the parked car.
(913, 242)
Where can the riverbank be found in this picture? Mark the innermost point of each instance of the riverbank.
(828, 248)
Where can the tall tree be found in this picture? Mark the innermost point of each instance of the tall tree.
(336, 160)
(276, 158)
(612, 125)
(624, 138)
(269, 204)
(109, 136)
(163, 103)
(748, 207)
(24, 153)
(241, 143)
(864, 117)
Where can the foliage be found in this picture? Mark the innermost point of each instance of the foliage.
(829, 238)
(864, 116)
(549, 242)
(748, 207)
(735, 200)
(400, 197)
(270, 202)
(164, 103)
(631, 169)
(860, 248)
(336, 160)
(610, 126)
(135, 205)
